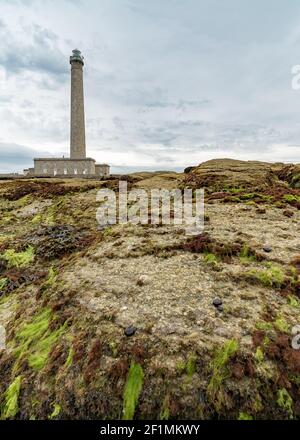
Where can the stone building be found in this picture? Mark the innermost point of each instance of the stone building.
(78, 164)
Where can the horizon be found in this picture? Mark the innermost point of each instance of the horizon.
(167, 86)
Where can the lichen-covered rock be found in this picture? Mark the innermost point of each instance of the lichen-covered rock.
(218, 174)
(66, 310)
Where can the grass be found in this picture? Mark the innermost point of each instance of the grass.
(259, 355)
(211, 259)
(295, 183)
(265, 326)
(292, 301)
(244, 416)
(220, 370)
(49, 216)
(56, 411)
(191, 365)
(247, 196)
(281, 324)
(132, 390)
(291, 198)
(37, 219)
(4, 299)
(3, 283)
(10, 407)
(246, 256)
(272, 276)
(235, 190)
(69, 360)
(18, 259)
(165, 410)
(285, 401)
(35, 340)
(52, 278)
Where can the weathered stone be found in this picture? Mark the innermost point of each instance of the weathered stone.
(217, 302)
(143, 280)
(267, 249)
(222, 331)
(130, 331)
(288, 213)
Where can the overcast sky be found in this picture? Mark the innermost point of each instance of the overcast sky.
(168, 83)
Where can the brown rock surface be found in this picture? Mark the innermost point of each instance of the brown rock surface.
(221, 173)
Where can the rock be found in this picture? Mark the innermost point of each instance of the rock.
(260, 210)
(194, 335)
(267, 249)
(248, 296)
(202, 397)
(247, 341)
(143, 280)
(217, 302)
(130, 331)
(222, 331)
(220, 308)
(218, 173)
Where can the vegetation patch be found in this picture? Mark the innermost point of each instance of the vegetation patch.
(259, 355)
(292, 301)
(290, 198)
(55, 241)
(51, 280)
(165, 410)
(69, 360)
(18, 190)
(281, 324)
(295, 182)
(245, 416)
(56, 411)
(10, 407)
(220, 371)
(285, 401)
(271, 276)
(18, 259)
(205, 244)
(132, 390)
(191, 365)
(211, 259)
(3, 283)
(35, 340)
(247, 255)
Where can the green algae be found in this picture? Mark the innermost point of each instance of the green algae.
(132, 390)
(10, 407)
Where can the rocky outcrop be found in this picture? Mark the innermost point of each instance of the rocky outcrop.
(229, 173)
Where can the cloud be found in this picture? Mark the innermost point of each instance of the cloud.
(40, 54)
(167, 84)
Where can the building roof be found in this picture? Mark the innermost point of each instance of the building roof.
(64, 159)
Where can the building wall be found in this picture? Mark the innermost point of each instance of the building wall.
(53, 167)
(102, 170)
